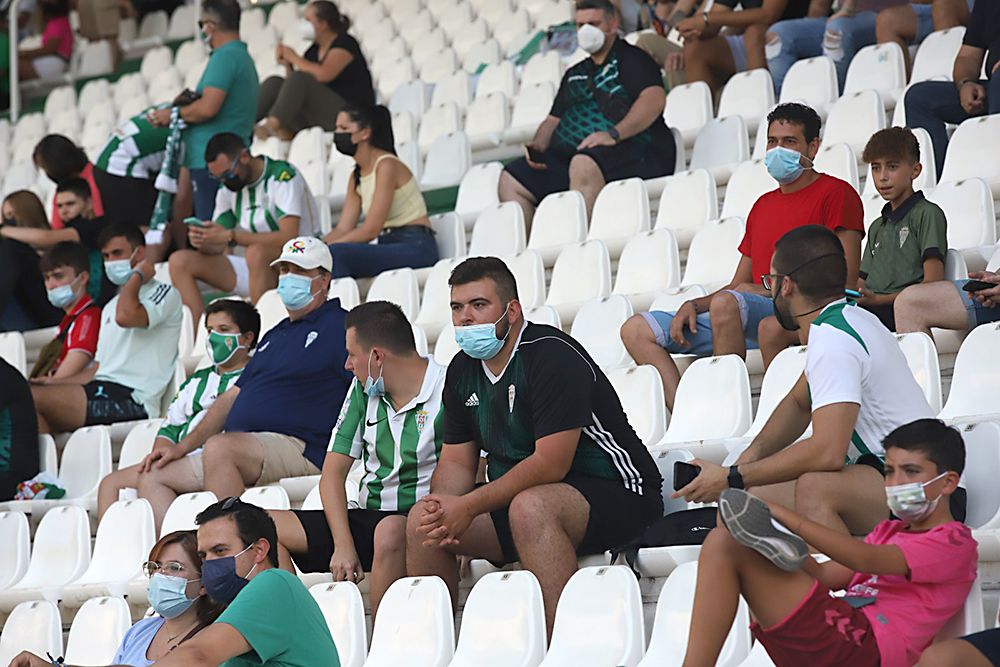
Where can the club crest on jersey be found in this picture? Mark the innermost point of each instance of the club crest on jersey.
(510, 398)
(311, 337)
(421, 420)
(904, 233)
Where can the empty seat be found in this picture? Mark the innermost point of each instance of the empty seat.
(156, 61)
(853, 119)
(812, 81)
(475, 48)
(345, 289)
(12, 351)
(97, 630)
(531, 107)
(344, 611)
(879, 67)
(640, 391)
(721, 145)
(687, 202)
(922, 358)
(543, 67)
(969, 209)
(511, 27)
(15, 548)
(411, 96)
(414, 626)
(560, 220)
(982, 466)
(838, 160)
(33, 626)
(449, 234)
(499, 230)
(139, 442)
(447, 161)
(183, 510)
(529, 274)
(441, 64)
(748, 183)
(439, 121)
(503, 622)
(498, 78)
(650, 263)
(712, 402)
(977, 367)
(486, 120)
(935, 58)
(596, 328)
(688, 109)
(714, 254)
(478, 191)
(267, 497)
(398, 286)
(972, 152)
(620, 212)
(544, 315)
(454, 89)
(598, 620)
(748, 94)
(581, 273)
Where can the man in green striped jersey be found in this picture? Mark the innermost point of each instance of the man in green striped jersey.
(390, 421)
(233, 328)
(135, 149)
(264, 204)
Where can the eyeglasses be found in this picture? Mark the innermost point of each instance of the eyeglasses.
(769, 280)
(231, 174)
(171, 568)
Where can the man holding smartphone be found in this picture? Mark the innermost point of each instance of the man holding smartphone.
(961, 305)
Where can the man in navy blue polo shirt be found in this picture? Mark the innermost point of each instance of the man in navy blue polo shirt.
(278, 418)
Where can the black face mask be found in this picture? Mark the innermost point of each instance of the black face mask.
(787, 321)
(342, 140)
(10, 221)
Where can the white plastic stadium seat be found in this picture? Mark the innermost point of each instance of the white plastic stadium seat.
(498, 78)
(439, 121)
(672, 623)
(138, 443)
(813, 82)
(454, 89)
(449, 234)
(181, 513)
(345, 289)
(853, 119)
(969, 618)
(542, 68)
(13, 352)
(582, 272)
(688, 109)
(529, 274)
(972, 152)
(438, 66)
(712, 402)
(687, 202)
(531, 106)
(560, 221)
(747, 184)
(486, 120)
(620, 212)
(968, 206)
(503, 622)
(344, 611)
(935, 58)
(650, 263)
(879, 67)
(977, 367)
(15, 548)
(267, 497)
(415, 625)
(510, 27)
(714, 254)
(476, 48)
(748, 94)
(922, 358)
(721, 145)
(435, 308)
(598, 620)
(409, 96)
(784, 371)
(182, 23)
(271, 310)
(446, 347)
(447, 161)
(544, 315)
(478, 191)
(48, 458)
(982, 466)
(499, 230)
(97, 630)
(398, 286)
(596, 328)
(33, 626)
(404, 127)
(640, 391)
(839, 161)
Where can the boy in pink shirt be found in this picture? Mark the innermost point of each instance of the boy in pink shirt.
(910, 575)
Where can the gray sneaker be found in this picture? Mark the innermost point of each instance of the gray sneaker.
(750, 523)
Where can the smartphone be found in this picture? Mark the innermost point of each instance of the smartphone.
(976, 285)
(684, 474)
(854, 294)
(194, 222)
(535, 155)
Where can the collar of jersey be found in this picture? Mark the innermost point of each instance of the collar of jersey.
(431, 377)
(496, 378)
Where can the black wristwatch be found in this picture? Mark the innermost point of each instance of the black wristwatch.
(615, 134)
(735, 479)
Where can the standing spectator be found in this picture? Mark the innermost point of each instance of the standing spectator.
(264, 204)
(727, 321)
(19, 438)
(932, 104)
(23, 305)
(136, 349)
(51, 59)
(227, 96)
(385, 193)
(606, 123)
(317, 85)
(99, 21)
(66, 267)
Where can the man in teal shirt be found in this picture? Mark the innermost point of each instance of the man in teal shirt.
(228, 90)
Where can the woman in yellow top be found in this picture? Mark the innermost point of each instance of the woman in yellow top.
(383, 190)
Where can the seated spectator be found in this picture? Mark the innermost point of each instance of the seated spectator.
(51, 59)
(907, 243)
(318, 84)
(278, 417)
(567, 475)
(613, 97)
(385, 193)
(856, 388)
(99, 20)
(23, 305)
(839, 37)
(901, 24)
(666, 14)
(233, 331)
(981, 649)
(726, 322)
(264, 204)
(66, 267)
(932, 104)
(946, 305)
(713, 55)
(903, 583)
(389, 422)
(136, 348)
(19, 438)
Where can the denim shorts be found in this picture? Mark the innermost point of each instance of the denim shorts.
(925, 25)
(739, 51)
(975, 311)
(753, 309)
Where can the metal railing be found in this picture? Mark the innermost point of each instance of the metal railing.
(15, 91)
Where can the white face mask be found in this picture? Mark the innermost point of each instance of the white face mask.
(590, 38)
(909, 501)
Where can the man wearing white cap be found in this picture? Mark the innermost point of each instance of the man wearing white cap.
(278, 418)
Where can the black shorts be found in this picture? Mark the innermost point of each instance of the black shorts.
(110, 402)
(987, 643)
(886, 315)
(617, 516)
(626, 160)
(320, 542)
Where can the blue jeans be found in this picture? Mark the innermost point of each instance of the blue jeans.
(803, 38)
(976, 312)
(931, 104)
(753, 309)
(411, 246)
(205, 188)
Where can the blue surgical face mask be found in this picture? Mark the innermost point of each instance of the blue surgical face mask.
(295, 291)
(220, 580)
(118, 271)
(374, 388)
(64, 295)
(480, 341)
(783, 164)
(167, 595)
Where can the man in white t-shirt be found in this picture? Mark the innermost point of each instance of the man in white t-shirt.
(264, 204)
(136, 349)
(856, 388)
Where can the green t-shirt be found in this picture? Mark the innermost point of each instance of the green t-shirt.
(282, 623)
(898, 243)
(230, 68)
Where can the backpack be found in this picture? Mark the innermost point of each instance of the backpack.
(685, 527)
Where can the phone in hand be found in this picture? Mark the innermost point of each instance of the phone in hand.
(193, 222)
(977, 285)
(535, 155)
(684, 474)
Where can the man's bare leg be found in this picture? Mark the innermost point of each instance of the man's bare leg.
(510, 189)
(189, 266)
(60, 408)
(953, 653)
(899, 25)
(262, 277)
(709, 60)
(161, 486)
(640, 341)
(107, 492)
(233, 461)
(389, 560)
(772, 338)
(851, 500)
(728, 336)
(586, 177)
(920, 307)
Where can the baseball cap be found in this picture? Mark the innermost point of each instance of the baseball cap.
(306, 252)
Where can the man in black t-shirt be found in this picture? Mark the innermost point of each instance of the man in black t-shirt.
(606, 123)
(568, 475)
(931, 104)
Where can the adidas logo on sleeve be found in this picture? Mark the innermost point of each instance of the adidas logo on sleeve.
(472, 401)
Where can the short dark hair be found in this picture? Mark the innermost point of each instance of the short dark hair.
(934, 439)
(603, 5)
(381, 323)
(480, 268)
(78, 186)
(59, 157)
(224, 143)
(113, 230)
(813, 257)
(65, 253)
(243, 314)
(797, 114)
(897, 143)
(252, 523)
(227, 11)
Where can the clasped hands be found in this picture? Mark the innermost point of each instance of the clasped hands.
(443, 519)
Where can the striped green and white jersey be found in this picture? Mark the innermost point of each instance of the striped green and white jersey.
(193, 399)
(280, 191)
(135, 149)
(398, 450)
(853, 358)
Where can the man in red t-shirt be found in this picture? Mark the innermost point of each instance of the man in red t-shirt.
(726, 321)
(66, 269)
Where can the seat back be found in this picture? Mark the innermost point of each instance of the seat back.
(596, 327)
(544, 315)
(529, 273)
(61, 550)
(935, 58)
(582, 272)
(977, 366)
(560, 220)
(12, 351)
(499, 230)
(182, 511)
(687, 202)
(746, 185)
(124, 539)
(970, 154)
(640, 391)
(503, 622)
(714, 254)
(838, 160)
(86, 459)
(968, 206)
(812, 81)
(344, 611)
(435, 309)
(854, 118)
(784, 371)
(688, 108)
(415, 625)
(447, 161)
(345, 289)
(454, 89)
(410, 95)
(271, 310)
(922, 358)
(138, 442)
(650, 262)
(97, 630)
(446, 347)
(969, 619)
(620, 212)
(749, 94)
(267, 497)
(878, 67)
(438, 121)
(543, 67)
(532, 104)
(723, 141)
(449, 233)
(15, 547)
(478, 191)
(498, 78)
(982, 467)
(398, 286)
(33, 626)
(712, 402)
